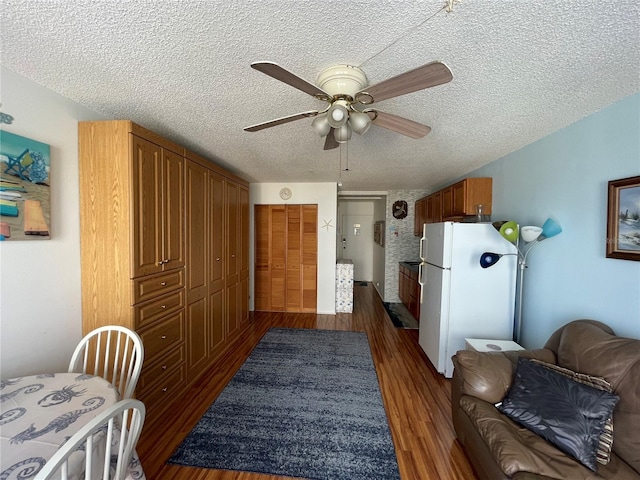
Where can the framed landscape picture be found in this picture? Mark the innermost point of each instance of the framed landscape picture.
(623, 219)
(24, 188)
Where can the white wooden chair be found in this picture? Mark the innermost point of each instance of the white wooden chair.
(113, 352)
(111, 437)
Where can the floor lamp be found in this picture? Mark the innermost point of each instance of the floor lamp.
(532, 236)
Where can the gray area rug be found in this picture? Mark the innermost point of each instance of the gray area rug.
(306, 403)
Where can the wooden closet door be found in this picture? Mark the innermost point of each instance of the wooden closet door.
(173, 210)
(216, 257)
(147, 214)
(262, 270)
(278, 257)
(286, 257)
(309, 258)
(196, 272)
(294, 258)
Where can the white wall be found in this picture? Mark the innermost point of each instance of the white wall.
(40, 315)
(565, 175)
(379, 214)
(325, 196)
(363, 260)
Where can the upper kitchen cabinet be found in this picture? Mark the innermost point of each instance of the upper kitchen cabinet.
(454, 202)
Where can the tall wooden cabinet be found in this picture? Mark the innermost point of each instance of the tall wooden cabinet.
(154, 221)
(286, 257)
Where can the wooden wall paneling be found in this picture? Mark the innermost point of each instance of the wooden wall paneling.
(105, 206)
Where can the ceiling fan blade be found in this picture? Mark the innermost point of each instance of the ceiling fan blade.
(426, 76)
(276, 71)
(331, 142)
(400, 125)
(280, 121)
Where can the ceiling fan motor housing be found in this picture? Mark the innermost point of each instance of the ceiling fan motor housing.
(340, 80)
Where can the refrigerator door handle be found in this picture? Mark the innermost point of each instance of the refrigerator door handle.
(421, 282)
(424, 244)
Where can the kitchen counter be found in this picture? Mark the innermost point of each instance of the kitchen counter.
(413, 266)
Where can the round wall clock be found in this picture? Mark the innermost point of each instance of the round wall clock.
(400, 209)
(285, 193)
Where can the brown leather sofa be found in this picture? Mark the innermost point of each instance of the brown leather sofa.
(499, 448)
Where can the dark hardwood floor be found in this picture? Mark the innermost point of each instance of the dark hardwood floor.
(417, 399)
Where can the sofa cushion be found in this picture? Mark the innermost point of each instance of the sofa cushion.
(588, 349)
(568, 414)
(605, 441)
(488, 375)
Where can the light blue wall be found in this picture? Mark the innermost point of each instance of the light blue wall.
(565, 175)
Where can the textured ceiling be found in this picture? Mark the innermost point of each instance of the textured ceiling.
(521, 70)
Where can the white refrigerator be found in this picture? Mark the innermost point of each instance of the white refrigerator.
(460, 299)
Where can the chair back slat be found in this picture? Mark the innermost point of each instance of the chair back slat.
(117, 354)
(102, 428)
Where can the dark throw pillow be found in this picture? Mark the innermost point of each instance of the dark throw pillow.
(605, 441)
(566, 413)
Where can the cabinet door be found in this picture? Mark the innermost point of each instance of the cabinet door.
(173, 210)
(437, 207)
(196, 332)
(196, 272)
(420, 216)
(232, 308)
(459, 193)
(447, 202)
(244, 254)
(233, 233)
(217, 333)
(147, 215)
(216, 232)
(197, 230)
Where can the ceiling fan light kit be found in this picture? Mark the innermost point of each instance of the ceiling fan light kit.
(343, 87)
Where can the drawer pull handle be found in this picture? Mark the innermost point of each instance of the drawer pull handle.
(233, 256)
(163, 307)
(218, 259)
(163, 283)
(164, 389)
(163, 337)
(164, 367)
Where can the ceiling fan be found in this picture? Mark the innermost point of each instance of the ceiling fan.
(345, 88)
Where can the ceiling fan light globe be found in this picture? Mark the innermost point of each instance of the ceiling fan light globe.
(321, 125)
(337, 115)
(342, 134)
(360, 122)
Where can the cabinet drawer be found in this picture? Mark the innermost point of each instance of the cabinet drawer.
(159, 371)
(162, 394)
(149, 312)
(149, 287)
(163, 336)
